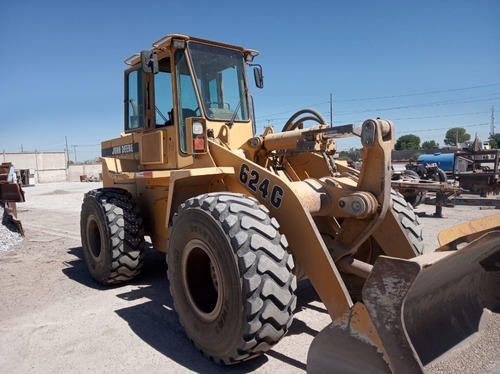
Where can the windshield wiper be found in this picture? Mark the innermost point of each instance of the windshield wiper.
(231, 122)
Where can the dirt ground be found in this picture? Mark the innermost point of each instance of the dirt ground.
(55, 319)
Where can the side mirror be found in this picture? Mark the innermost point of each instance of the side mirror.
(149, 61)
(257, 74)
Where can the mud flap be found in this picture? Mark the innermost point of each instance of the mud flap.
(416, 311)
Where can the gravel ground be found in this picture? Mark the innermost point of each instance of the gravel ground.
(9, 235)
(54, 318)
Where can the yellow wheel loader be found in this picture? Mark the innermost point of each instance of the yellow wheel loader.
(243, 216)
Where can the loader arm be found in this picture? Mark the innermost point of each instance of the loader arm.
(296, 223)
(364, 208)
(298, 199)
(377, 138)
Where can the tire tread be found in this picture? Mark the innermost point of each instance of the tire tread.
(126, 232)
(265, 269)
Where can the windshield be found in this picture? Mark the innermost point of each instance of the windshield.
(220, 75)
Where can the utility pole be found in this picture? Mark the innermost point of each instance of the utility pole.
(75, 152)
(492, 125)
(36, 166)
(67, 150)
(331, 110)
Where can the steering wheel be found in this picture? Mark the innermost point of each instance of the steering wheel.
(210, 103)
(186, 112)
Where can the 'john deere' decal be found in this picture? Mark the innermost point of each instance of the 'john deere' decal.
(120, 150)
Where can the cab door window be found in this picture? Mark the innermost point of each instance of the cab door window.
(134, 100)
(163, 95)
(187, 105)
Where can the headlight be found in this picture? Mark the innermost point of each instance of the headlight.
(197, 128)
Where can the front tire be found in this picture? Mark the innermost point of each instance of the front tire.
(230, 276)
(409, 221)
(112, 235)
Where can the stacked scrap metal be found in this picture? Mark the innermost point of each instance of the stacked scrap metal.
(10, 194)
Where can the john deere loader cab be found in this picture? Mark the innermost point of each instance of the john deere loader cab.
(188, 87)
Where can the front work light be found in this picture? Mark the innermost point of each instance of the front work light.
(197, 128)
(179, 43)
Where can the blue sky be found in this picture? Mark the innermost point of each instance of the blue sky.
(426, 65)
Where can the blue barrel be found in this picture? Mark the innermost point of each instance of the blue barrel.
(445, 160)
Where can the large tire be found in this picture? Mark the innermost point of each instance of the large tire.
(409, 221)
(230, 276)
(370, 249)
(440, 176)
(414, 196)
(112, 235)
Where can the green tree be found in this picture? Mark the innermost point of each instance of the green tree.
(344, 157)
(350, 155)
(409, 141)
(430, 144)
(494, 141)
(454, 134)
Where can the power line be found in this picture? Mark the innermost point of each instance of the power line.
(437, 103)
(388, 97)
(419, 93)
(292, 110)
(420, 117)
(443, 128)
(440, 115)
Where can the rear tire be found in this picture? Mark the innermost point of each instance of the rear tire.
(112, 235)
(230, 276)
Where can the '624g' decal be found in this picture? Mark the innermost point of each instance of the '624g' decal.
(251, 178)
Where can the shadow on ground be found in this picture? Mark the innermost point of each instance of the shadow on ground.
(156, 322)
(76, 270)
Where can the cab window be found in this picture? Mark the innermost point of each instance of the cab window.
(187, 105)
(134, 100)
(163, 94)
(221, 79)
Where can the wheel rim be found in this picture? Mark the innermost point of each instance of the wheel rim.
(94, 237)
(202, 280)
